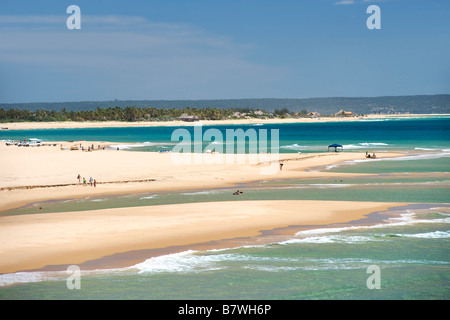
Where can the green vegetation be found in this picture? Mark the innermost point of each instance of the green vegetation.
(130, 113)
(160, 110)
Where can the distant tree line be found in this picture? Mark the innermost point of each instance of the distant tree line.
(325, 106)
(129, 113)
(286, 113)
(162, 110)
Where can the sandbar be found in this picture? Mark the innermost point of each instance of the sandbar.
(35, 241)
(31, 174)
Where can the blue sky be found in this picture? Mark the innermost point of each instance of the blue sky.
(211, 49)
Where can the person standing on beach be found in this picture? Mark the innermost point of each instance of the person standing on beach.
(84, 181)
(95, 183)
(79, 178)
(91, 181)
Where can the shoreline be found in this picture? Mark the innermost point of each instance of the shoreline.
(130, 258)
(74, 240)
(34, 241)
(113, 124)
(23, 181)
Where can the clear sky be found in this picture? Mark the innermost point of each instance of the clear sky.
(221, 49)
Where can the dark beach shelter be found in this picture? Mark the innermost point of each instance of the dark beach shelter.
(335, 146)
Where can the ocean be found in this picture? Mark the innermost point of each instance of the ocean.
(424, 134)
(408, 246)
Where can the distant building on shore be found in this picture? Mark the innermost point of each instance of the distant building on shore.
(314, 115)
(343, 113)
(188, 118)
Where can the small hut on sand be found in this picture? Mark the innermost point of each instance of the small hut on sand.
(336, 147)
(188, 118)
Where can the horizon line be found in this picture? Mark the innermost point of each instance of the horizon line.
(224, 99)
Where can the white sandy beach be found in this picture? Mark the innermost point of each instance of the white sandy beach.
(98, 124)
(34, 241)
(47, 172)
(30, 174)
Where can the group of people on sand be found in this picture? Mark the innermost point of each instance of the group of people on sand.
(92, 182)
(83, 148)
(91, 147)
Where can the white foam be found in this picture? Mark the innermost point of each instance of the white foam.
(294, 146)
(373, 144)
(185, 261)
(137, 145)
(149, 197)
(39, 276)
(427, 156)
(408, 218)
(328, 230)
(332, 239)
(426, 149)
(427, 235)
(124, 146)
(190, 261)
(317, 186)
(22, 277)
(364, 145)
(322, 235)
(199, 193)
(330, 185)
(337, 264)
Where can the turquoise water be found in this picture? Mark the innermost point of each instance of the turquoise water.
(380, 135)
(395, 188)
(409, 245)
(411, 252)
(432, 162)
